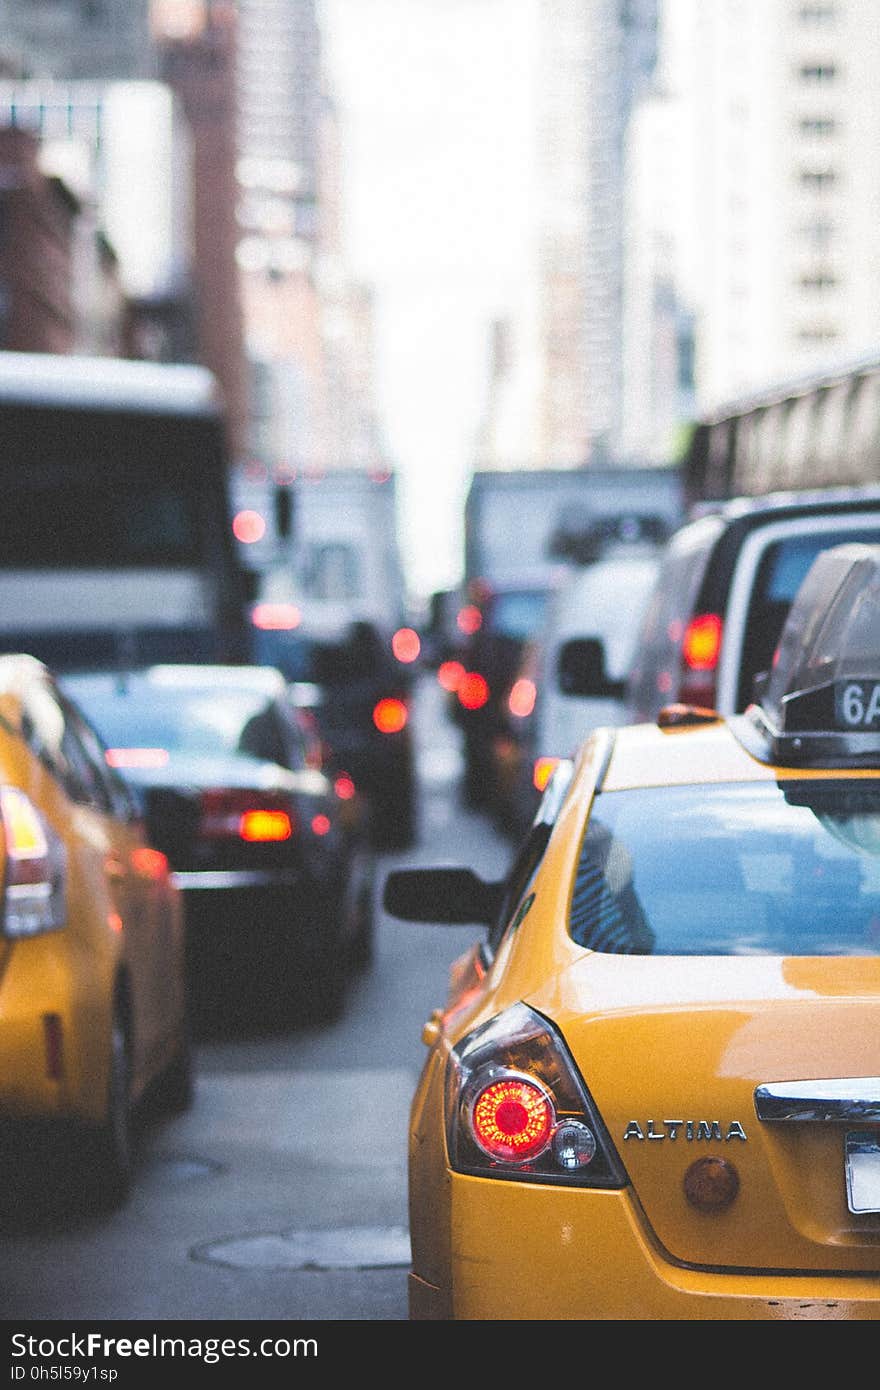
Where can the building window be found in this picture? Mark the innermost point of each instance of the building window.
(821, 126)
(818, 72)
(818, 233)
(820, 180)
(816, 335)
(817, 13)
(818, 280)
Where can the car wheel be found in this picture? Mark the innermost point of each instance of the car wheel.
(175, 1088)
(363, 913)
(110, 1154)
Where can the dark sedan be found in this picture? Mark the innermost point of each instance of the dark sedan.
(276, 877)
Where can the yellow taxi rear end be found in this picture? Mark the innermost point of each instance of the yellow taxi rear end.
(654, 1092)
(92, 994)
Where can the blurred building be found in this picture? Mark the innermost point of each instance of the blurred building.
(594, 63)
(197, 47)
(77, 38)
(38, 216)
(308, 328)
(770, 139)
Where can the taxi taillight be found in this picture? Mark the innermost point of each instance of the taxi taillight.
(33, 890)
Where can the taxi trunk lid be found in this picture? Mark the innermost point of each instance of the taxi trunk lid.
(769, 1064)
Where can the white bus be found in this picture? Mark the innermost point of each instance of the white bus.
(116, 544)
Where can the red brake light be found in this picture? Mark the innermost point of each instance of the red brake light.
(701, 644)
(406, 644)
(473, 690)
(136, 757)
(543, 771)
(229, 814)
(276, 617)
(344, 787)
(390, 716)
(321, 824)
(35, 868)
(248, 527)
(449, 675)
(265, 825)
(512, 1118)
(521, 700)
(469, 620)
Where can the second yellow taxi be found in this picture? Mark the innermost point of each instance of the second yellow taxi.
(93, 1010)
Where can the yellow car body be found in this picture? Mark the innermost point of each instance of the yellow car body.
(654, 1090)
(671, 1050)
(93, 1008)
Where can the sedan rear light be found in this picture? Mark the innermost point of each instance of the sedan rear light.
(473, 691)
(700, 650)
(230, 814)
(136, 757)
(516, 1108)
(33, 897)
(390, 716)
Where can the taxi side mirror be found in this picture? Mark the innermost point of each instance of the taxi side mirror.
(457, 897)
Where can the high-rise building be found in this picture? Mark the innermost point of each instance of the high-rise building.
(777, 123)
(595, 60)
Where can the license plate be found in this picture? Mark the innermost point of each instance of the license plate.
(857, 705)
(863, 1172)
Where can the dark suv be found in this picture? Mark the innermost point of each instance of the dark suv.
(724, 589)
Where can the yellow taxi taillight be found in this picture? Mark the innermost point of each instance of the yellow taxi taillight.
(33, 890)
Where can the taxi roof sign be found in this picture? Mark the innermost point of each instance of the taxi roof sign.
(820, 702)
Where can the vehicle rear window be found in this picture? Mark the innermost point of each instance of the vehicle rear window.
(518, 614)
(783, 566)
(789, 869)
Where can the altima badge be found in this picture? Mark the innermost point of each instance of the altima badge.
(692, 1131)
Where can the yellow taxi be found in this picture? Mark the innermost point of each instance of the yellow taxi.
(654, 1089)
(92, 995)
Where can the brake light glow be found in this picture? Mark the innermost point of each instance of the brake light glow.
(390, 716)
(261, 825)
(33, 899)
(701, 644)
(449, 675)
(344, 787)
(231, 814)
(276, 617)
(543, 771)
(473, 690)
(406, 644)
(513, 1119)
(521, 700)
(248, 527)
(321, 824)
(469, 619)
(136, 757)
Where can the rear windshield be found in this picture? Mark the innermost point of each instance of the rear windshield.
(787, 869)
(519, 613)
(783, 567)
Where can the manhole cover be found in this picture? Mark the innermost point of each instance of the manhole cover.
(359, 1247)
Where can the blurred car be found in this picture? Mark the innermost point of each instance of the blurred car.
(93, 1002)
(724, 589)
(495, 625)
(363, 704)
(572, 676)
(276, 882)
(654, 1089)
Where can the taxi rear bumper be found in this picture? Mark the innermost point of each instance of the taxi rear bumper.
(523, 1251)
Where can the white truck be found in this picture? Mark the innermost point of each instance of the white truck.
(521, 521)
